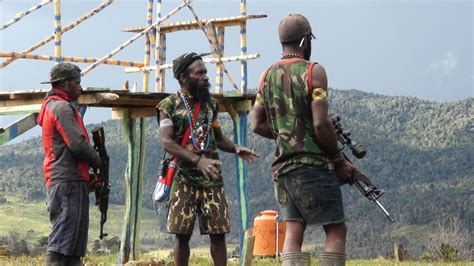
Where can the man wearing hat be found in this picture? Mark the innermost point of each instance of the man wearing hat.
(68, 155)
(197, 189)
(292, 108)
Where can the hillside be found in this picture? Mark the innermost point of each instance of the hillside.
(420, 152)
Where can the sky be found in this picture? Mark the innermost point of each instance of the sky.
(415, 48)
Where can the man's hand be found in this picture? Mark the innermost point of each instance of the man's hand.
(96, 164)
(246, 154)
(208, 167)
(345, 171)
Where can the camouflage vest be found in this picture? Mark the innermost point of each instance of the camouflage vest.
(287, 102)
(187, 173)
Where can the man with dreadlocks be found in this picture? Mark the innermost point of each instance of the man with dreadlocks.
(198, 184)
(291, 108)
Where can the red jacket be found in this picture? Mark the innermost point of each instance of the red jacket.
(65, 140)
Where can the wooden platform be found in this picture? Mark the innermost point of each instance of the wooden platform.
(137, 104)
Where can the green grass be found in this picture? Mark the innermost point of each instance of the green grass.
(203, 260)
(32, 221)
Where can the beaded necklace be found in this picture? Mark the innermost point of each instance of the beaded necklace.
(199, 134)
(291, 55)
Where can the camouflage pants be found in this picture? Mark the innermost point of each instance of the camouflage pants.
(208, 204)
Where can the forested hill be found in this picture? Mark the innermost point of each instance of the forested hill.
(420, 152)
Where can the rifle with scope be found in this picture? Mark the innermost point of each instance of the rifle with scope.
(360, 180)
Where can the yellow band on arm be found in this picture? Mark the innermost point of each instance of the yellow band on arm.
(259, 99)
(319, 94)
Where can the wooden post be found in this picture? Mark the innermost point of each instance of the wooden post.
(127, 246)
(398, 253)
(247, 251)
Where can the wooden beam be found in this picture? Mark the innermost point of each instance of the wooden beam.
(17, 128)
(121, 113)
(142, 104)
(137, 112)
(20, 109)
(193, 25)
(33, 105)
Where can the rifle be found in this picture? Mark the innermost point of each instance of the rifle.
(361, 181)
(100, 183)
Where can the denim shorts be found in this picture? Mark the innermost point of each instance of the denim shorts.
(310, 196)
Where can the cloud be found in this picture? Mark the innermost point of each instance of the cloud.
(446, 64)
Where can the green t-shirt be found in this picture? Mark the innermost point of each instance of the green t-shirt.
(287, 102)
(174, 108)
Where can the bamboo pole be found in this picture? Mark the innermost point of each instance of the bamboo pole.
(162, 56)
(240, 132)
(22, 14)
(57, 30)
(205, 60)
(63, 30)
(69, 59)
(160, 52)
(211, 32)
(213, 48)
(146, 60)
(134, 38)
(219, 69)
(243, 47)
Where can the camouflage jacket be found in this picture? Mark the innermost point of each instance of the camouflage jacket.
(285, 95)
(186, 172)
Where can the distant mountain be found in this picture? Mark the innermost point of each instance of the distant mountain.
(420, 152)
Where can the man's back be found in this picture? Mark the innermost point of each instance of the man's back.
(287, 102)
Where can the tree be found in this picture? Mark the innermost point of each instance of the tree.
(450, 242)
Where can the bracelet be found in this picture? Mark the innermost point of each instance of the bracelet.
(338, 159)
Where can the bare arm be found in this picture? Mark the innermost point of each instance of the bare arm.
(207, 166)
(322, 125)
(259, 123)
(225, 144)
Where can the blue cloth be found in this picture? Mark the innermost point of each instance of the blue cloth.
(68, 207)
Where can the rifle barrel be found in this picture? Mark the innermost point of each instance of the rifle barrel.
(384, 211)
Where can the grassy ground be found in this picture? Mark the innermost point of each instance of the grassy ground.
(31, 221)
(206, 261)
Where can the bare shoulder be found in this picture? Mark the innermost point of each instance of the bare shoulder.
(320, 79)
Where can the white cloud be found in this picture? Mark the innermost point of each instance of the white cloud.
(446, 64)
